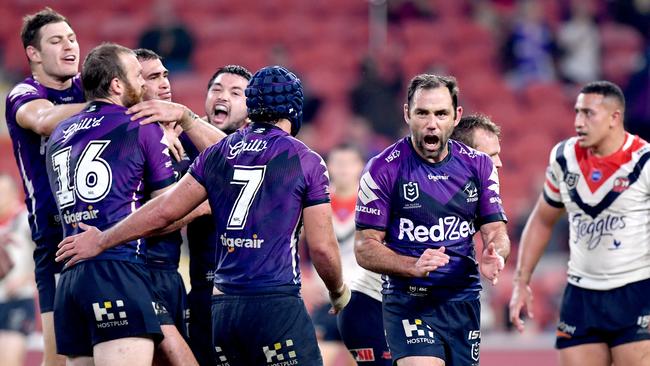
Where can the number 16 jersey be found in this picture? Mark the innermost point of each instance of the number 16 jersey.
(101, 166)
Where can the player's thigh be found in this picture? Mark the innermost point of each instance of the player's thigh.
(173, 350)
(50, 356)
(13, 348)
(134, 351)
(632, 354)
(592, 354)
(420, 361)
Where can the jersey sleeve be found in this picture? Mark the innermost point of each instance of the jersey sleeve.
(158, 164)
(317, 181)
(551, 191)
(22, 94)
(490, 206)
(373, 199)
(197, 169)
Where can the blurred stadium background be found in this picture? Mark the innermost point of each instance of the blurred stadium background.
(520, 62)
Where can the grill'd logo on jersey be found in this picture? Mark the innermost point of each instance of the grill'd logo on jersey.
(276, 356)
(232, 243)
(105, 314)
(411, 191)
(591, 232)
(448, 228)
(241, 146)
(84, 124)
(571, 180)
(471, 153)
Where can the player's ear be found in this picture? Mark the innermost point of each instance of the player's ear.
(33, 54)
(459, 114)
(117, 86)
(407, 113)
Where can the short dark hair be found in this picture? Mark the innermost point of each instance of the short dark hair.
(30, 32)
(101, 66)
(429, 81)
(231, 69)
(145, 54)
(464, 132)
(606, 89)
(346, 146)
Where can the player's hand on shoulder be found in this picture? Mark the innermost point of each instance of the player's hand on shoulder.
(173, 143)
(429, 261)
(81, 246)
(492, 263)
(156, 111)
(522, 296)
(340, 298)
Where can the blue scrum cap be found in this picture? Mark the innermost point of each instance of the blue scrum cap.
(273, 93)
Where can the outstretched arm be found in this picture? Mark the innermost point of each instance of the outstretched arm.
(373, 255)
(42, 116)
(201, 133)
(156, 214)
(534, 240)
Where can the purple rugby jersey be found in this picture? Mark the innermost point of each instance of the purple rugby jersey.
(29, 152)
(258, 181)
(101, 166)
(423, 205)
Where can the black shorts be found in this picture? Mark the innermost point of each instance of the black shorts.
(46, 271)
(18, 316)
(325, 323)
(614, 317)
(272, 330)
(171, 298)
(103, 300)
(200, 325)
(424, 326)
(362, 330)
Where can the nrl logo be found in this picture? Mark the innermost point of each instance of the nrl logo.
(411, 191)
(475, 351)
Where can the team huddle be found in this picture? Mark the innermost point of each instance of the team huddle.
(127, 169)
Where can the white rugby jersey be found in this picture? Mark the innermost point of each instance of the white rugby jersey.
(608, 204)
(359, 278)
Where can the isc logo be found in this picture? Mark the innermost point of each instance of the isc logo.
(393, 155)
(474, 334)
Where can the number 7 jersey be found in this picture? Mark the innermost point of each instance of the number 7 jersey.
(258, 181)
(101, 166)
